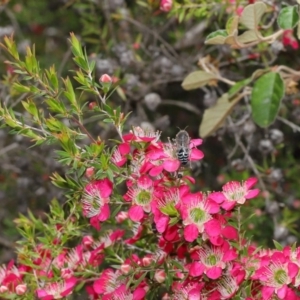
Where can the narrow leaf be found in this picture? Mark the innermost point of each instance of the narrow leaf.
(277, 245)
(266, 98)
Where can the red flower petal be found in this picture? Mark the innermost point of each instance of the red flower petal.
(213, 228)
(196, 154)
(190, 232)
(196, 269)
(171, 165)
(214, 273)
(136, 213)
(229, 232)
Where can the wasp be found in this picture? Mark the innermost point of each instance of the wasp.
(182, 145)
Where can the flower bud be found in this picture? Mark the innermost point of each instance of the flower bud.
(21, 289)
(125, 268)
(160, 276)
(3, 289)
(146, 261)
(122, 216)
(105, 78)
(92, 105)
(89, 172)
(166, 5)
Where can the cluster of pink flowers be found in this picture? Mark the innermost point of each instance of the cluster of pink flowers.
(182, 239)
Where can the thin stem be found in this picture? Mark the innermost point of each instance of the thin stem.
(84, 129)
(292, 125)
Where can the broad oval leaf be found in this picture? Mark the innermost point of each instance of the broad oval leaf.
(252, 14)
(216, 37)
(266, 97)
(248, 37)
(288, 17)
(214, 117)
(197, 79)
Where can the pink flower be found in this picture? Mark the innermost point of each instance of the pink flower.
(105, 78)
(239, 10)
(196, 212)
(10, 278)
(195, 154)
(57, 290)
(187, 290)
(211, 260)
(166, 5)
(275, 274)
(288, 39)
(227, 286)
(162, 158)
(95, 200)
(166, 205)
(235, 193)
(140, 135)
(119, 156)
(140, 196)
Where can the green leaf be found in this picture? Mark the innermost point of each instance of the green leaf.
(252, 14)
(216, 37)
(82, 63)
(248, 37)
(214, 117)
(76, 46)
(31, 108)
(197, 79)
(288, 17)
(20, 88)
(69, 93)
(232, 25)
(55, 105)
(277, 245)
(266, 98)
(238, 87)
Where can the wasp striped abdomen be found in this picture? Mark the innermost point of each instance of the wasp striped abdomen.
(183, 156)
(182, 143)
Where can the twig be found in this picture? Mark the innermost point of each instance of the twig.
(84, 129)
(292, 125)
(8, 148)
(182, 104)
(66, 57)
(152, 32)
(251, 162)
(4, 242)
